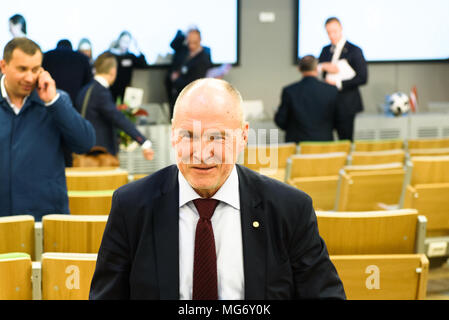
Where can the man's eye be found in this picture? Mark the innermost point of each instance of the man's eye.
(215, 137)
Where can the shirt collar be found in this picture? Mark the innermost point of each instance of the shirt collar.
(6, 97)
(228, 193)
(102, 81)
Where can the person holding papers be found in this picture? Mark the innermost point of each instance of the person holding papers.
(343, 65)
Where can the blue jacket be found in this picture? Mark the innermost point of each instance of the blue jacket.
(32, 171)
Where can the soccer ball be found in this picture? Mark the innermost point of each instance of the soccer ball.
(398, 104)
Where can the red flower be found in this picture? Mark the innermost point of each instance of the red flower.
(140, 112)
(122, 107)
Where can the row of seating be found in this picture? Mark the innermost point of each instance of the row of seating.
(378, 255)
(58, 276)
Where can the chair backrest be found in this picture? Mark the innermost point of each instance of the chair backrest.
(369, 232)
(308, 147)
(377, 157)
(67, 276)
(428, 152)
(15, 276)
(90, 202)
(373, 167)
(68, 233)
(322, 190)
(268, 156)
(99, 179)
(431, 169)
(314, 165)
(383, 277)
(431, 201)
(377, 145)
(428, 143)
(17, 234)
(362, 191)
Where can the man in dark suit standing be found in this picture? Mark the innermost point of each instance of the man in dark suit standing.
(207, 228)
(349, 98)
(70, 69)
(191, 61)
(101, 111)
(307, 109)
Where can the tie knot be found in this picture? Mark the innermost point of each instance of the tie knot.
(205, 207)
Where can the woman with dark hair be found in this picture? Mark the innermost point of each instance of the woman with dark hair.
(17, 26)
(127, 61)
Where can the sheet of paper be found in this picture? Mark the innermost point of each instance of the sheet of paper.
(345, 72)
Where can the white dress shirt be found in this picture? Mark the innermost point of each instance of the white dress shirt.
(227, 229)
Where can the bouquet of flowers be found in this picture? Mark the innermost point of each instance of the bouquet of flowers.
(132, 114)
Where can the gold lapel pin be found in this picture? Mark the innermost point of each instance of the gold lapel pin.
(256, 224)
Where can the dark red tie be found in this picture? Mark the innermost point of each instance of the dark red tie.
(205, 258)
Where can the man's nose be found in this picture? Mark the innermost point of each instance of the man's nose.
(203, 150)
(30, 77)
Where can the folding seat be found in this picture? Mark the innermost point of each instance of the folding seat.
(17, 235)
(15, 276)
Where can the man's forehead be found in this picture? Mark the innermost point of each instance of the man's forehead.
(19, 55)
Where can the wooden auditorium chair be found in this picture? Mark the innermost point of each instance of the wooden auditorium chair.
(67, 276)
(269, 160)
(74, 234)
(428, 169)
(376, 157)
(372, 232)
(15, 276)
(383, 277)
(377, 145)
(432, 201)
(428, 152)
(363, 190)
(428, 143)
(317, 175)
(90, 202)
(377, 254)
(17, 235)
(90, 179)
(308, 147)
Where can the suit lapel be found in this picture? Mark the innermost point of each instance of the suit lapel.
(253, 238)
(166, 237)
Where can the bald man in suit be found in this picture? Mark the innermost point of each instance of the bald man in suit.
(263, 238)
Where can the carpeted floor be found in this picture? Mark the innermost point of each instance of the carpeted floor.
(438, 282)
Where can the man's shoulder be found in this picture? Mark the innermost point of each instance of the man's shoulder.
(352, 47)
(293, 86)
(326, 87)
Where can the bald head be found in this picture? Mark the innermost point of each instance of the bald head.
(208, 133)
(213, 96)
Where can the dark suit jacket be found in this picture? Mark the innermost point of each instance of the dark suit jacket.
(71, 70)
(126, 63)
(104, 116)
(349, 98)
(192, 69)
(307, 111)
(284, 258)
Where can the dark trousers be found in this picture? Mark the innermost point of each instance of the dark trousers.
(345, 125)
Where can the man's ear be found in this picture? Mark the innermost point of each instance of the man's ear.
(3, 66)
(244, 137)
